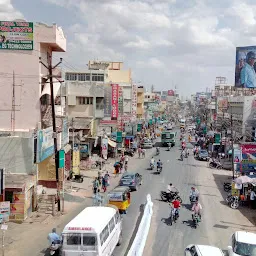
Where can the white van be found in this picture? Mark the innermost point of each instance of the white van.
(95, 231)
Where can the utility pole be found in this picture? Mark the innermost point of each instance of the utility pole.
(56, 155)
(232, 146)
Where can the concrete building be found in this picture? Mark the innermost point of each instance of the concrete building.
(140, 102)
(25, 111)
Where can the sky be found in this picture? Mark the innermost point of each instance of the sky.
(166, 43)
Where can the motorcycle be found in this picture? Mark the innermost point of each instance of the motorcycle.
(75, 177)
(129, 152)
(151, 166)
(54, 249)
(168, 197)
(196, 220)
(159, 169)
(157, 151)
(234, 202)
(174, 215)
(227, 186)
(215, 164)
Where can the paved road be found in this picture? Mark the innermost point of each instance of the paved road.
(219, 221)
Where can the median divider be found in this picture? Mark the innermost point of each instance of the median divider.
(142, 234)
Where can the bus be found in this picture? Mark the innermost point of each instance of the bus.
(94, 231)
(168, 137)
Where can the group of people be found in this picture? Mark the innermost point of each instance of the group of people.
(102, 181)
(193, 196)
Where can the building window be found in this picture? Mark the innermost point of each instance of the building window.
(71, 76)
(98, 77)
(85, 100)
(83, 77)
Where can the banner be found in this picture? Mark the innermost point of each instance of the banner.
(170, 93)
(65, 132)
(114, 112)
(16, 35)
(134, 102)
(245, 75)
(107, 101)
(104, 147)
(45, 144)
(248, 161)
(76, 161)
(120, 100)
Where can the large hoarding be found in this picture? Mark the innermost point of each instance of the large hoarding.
(134, 102)
(245, 75)
(107, 100)
(16, 35)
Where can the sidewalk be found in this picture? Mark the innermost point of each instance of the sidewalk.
(30, 237)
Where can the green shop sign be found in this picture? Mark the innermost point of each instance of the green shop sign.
(16, 35)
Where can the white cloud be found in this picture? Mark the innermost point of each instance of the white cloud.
(7, 11)
(186, 42)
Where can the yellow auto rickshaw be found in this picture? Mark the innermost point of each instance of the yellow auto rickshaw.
(120, 197)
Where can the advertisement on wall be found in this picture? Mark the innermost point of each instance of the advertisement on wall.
(170, 92)
(16, 35)
(45, 144)
(248, 158)
(245, 75)
(134, 102)
(222, 104)
(114, 111)
(4, 211)
(76, 161)
(107, 100)
(104, 147)
(65, 132)
(120, 100)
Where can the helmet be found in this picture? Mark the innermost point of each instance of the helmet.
(170, 184)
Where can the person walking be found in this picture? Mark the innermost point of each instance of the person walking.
(104, 184)
(107, 177)
(96, 185)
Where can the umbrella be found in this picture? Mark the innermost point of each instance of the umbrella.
(243, 179)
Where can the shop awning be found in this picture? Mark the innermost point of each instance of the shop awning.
(111, 143)
(47, 88)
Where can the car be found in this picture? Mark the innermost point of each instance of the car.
(203, 155)
(147, 144)
(242, 243)
(131, 179)
(203, 250)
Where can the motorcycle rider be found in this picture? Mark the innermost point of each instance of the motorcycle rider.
(194, 193)
(157, 150)
(176, 205)
(196, 209)
(54, 238)
(159, 164)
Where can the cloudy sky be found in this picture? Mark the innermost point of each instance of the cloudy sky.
(186, 43)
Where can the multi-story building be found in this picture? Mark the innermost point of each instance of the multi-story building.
(26, 147)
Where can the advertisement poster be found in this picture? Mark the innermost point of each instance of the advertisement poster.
(4, 211)
(170, 92)
(120, 100)
(107, 100)
(76, 161)
(45, 144)
(134, 102)
(16, 35)
(65, 132)
(245, 75)
(248, 158)
(104, 147)
(114, 112)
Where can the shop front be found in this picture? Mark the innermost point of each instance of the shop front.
(20, 192)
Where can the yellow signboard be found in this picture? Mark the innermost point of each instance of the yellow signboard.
(76, 162)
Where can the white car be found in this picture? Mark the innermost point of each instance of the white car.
(242, 244)
(203, 250)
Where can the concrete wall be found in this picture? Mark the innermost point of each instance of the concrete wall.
(80, 111)
(27, 70)
(119, 76)
(17, 154)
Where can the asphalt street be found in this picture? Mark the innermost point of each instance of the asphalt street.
(218, 223)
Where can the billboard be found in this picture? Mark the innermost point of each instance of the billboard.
(134, 102)
(114, 110)
(45, 144)
(248, 161)
(107, 100)
(16, 35)
(245, 75)
(170, 92)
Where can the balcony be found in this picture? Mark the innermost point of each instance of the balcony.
(140, 99)
(140, 90)
(140, 111)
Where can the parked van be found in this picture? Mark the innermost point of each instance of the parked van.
(95, 231)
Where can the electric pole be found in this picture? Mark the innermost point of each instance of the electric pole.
(50, 68)
(232, 145)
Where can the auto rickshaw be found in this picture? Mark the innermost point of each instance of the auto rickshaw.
(120, 197)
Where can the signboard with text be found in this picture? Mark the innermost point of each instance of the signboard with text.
(134, 102)
(16, 35)
(107, 101)
(104, 147)
(114, 112)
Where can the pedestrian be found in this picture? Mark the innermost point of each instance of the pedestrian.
(139, 151)
(252, 199)
(126, 159)
(104, 185)
(107, 177)
(143, 153)
(95, 185)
